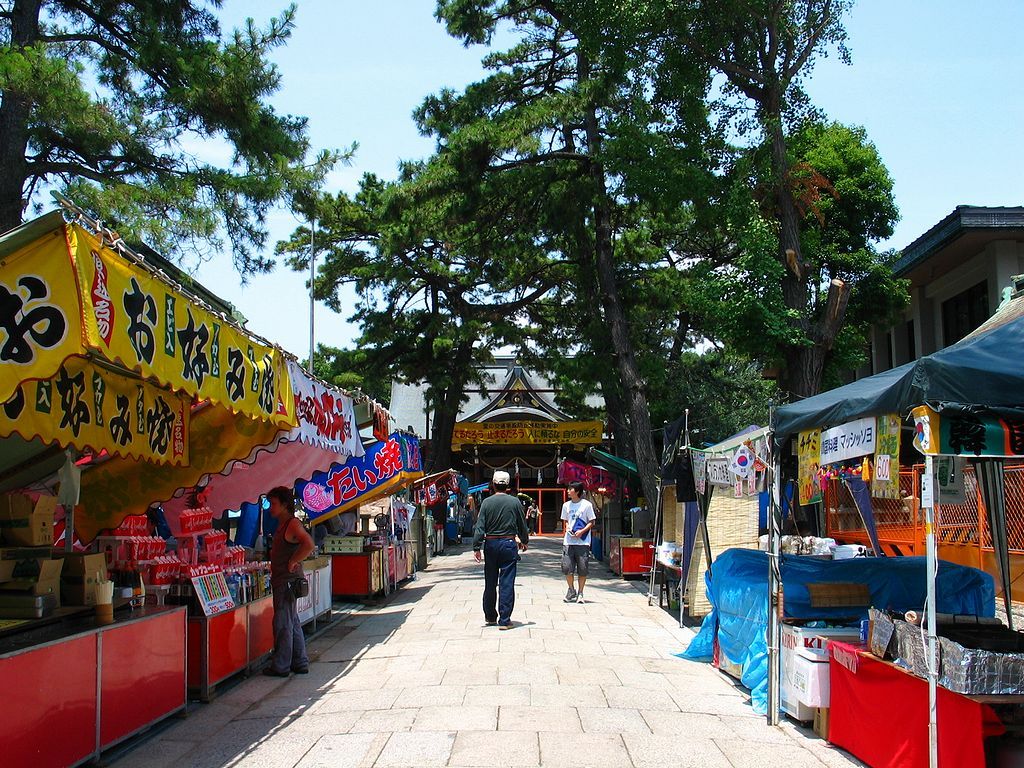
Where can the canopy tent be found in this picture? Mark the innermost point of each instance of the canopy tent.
(978, 376)
(981, 370)
(614, 464)
(593, 478)
(326, 434)
(103, 352)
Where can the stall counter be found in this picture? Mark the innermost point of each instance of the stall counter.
(630, 556)
(357, 574)
(879, 714)
(75, 688)
(227, 643)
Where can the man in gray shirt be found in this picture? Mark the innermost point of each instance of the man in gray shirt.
(500, 521)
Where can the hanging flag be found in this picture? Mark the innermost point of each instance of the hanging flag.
(742, 462)
(686, 490)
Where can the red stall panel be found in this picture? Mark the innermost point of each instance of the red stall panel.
(227, 647)
(350, 574)
(48, 706)
(637, 561)
(261, 627)
(142, 674)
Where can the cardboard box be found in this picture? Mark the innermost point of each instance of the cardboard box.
(30, 577)
(25, 524)
(839, 595)
(79, 578)
(821, 722)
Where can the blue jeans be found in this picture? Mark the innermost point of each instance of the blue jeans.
(289, 642)
(500, 558)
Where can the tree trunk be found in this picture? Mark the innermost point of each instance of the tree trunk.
(806, 365)
(633, 387)
(446, 411)
(14, 119)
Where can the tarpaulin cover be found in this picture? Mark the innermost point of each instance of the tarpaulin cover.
(738, 592)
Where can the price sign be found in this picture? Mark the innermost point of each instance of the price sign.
(212, 591)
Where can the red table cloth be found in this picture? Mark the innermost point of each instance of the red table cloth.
(879, 713)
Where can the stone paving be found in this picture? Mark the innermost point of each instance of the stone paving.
(420, 681)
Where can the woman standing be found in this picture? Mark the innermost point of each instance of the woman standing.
(291, 546)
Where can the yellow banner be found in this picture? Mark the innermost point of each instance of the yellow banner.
(137, 320)
(122, 487)
(885, 480)
(40, 319)
(808, 458)
(89, 406)
(526, 433)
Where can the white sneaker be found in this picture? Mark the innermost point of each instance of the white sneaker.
(579, 598)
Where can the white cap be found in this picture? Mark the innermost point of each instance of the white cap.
(501, 477)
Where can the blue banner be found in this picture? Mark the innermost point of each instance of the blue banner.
(385, 467)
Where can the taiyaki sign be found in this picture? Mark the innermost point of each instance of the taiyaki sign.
(386, 466)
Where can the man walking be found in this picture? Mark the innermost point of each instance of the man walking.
(579, 517)
(500, 520)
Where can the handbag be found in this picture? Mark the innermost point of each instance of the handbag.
(299, 587)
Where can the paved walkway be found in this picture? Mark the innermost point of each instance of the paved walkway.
(420, 681)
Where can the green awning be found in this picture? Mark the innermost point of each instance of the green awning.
(613, 464)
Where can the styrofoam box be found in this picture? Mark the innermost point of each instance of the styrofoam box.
(798, 639)
(805, 676)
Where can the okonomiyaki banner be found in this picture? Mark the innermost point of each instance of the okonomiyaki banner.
(89, 406)
(326, 418)
(384, 467)
(133, 318)
(40, 318)
(958, 433)
(526, 433)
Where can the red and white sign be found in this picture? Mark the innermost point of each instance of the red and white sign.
(102, 306)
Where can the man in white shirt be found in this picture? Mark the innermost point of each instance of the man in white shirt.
(579, 517)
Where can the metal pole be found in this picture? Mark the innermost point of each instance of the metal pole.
(774, 582)
(312, 276)
(928, 502)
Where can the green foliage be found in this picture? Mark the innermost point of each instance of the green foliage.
(115, 104)
(351, 370)
(724, 392)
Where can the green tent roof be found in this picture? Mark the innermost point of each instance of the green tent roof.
(613, 464)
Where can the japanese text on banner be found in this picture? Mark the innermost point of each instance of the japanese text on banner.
(885, 482)
(808, 463)
(526, 433)
(137, 320)
(86, 405)
(40, 320)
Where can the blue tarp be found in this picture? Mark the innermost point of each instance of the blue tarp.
(738, 592)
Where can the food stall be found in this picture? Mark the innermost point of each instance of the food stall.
(964, 400)
(362, 565)
(102, 357)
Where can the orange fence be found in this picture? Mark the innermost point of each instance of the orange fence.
(962, 533)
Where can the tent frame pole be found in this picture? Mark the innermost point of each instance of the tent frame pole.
(774, 582)
(931, 556)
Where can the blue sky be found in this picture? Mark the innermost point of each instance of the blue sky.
(936, 84)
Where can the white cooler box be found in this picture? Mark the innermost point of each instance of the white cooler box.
(805, 679)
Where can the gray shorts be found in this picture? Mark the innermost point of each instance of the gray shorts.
(575, 558)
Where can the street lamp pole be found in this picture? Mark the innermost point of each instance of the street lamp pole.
(312, 275)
